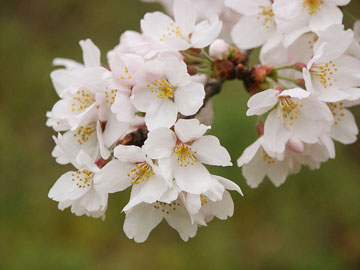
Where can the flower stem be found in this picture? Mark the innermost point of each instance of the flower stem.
(205, 71)
(204, 53)
(287, 67)
(195, 59)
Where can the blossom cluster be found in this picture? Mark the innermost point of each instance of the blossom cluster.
(141, 121)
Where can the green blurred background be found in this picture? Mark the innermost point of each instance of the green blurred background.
(311, 222)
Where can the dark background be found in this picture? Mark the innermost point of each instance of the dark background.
(312, 221)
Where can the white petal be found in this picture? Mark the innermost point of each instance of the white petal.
(91, 53)
(328, 15)
(250, 32)
(345, 130)
(113, 177)
(194, 179)
(184, 15)
(209, 151)
(188, 130)
(129, 153)
(262, 102)
(160, 143)
(206, 32)
(228, 184)
(161, 113)
(140, 221)
(189, 98)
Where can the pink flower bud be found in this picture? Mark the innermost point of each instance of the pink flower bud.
(219, 49)
(295, 145)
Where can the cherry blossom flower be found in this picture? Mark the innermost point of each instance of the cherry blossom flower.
(164, 88)
(257, 162)
(76, 189)
(256, 26)
(183, 152)
(183, 32)
(295, 17)
(296, 113)
(144, 217)
(331, 73)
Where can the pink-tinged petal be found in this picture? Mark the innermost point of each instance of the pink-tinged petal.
(327, 15)
(209, 151)
(188, 130)
(189, 98)
(194, 179)
(345, 130)
(206, 32)
(176, 71)
(160, 143)
(250, 32)
(91, 53)
(275, 134)
(161, 113)
(124, 67)
(113, 177)
(184, 15)
(159, 27)
(262, 102)
(150, 71)
(140, 221)
(129, 153)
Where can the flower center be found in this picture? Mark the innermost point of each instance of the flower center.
(203, 200)
(162, 88)
(185, 155)
(337, 110)
(166, 207)
(173, 30)
(140, 173)
(110, 96)
(325, 73)
(266, 158)
(82, 100)
(266, 13)
(288, 111)
(127, 75)
(312, 6)
(82, 134)
(83, 178)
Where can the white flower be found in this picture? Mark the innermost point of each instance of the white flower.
(182, 33)
(257, 162)
(256, 26)
(78, 87)
(131, 167)
(344, 129)
(297, 114)
(144, 217)
(182, 153)
(330, 73)
(295, 17)
(164, 88)
(214, 202)
(76, 189)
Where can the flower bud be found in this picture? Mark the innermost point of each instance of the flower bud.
(219, 49)
(295, 145)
